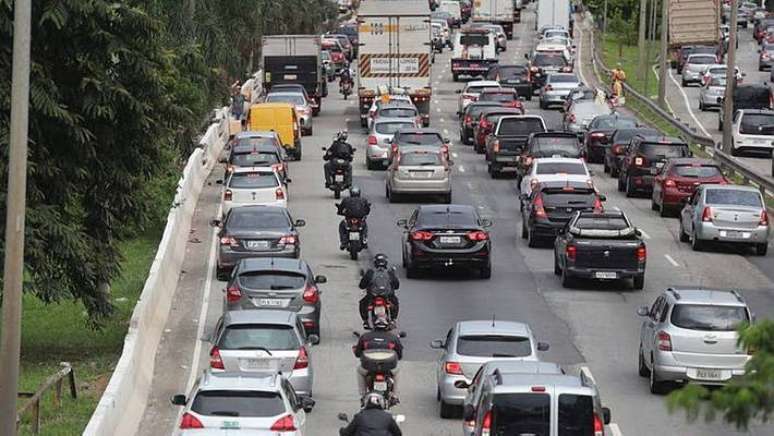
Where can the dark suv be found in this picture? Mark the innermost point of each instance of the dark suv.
(548, 144)
(644, 158)
(512, 76)
(748, 97)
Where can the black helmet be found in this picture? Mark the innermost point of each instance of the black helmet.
(342, 135)
(381, 261)
(354, 191)
(372, 400)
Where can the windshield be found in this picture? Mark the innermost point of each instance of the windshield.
(733, 197)
(757, 124)
(601, 223)
(294, 99)
(494, 346)
(568, 199)
(259, 159)
(562, 145)
(470, 39)
(702, 59)
(240, 403)
(704, 317)
(255, 336)
(398, 112)
(576, 415)
(520, 126)
(253, 180)
(522, 414)
(391, 127)
(614, 123)
(696, 171)
(560, 168)
(256, 219)
(419, 139)
(271, 280)
(498, 96)
(420, 159)
(477, 89)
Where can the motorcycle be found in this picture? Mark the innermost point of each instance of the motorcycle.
(398, 418)
(379, 364)
(341, 181)
(345, 87)
(354, 236)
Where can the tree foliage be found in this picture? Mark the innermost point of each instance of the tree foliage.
(119, 89)
(743, 400)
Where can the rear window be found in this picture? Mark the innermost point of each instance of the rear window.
(271, 280)
(254, 180)
(391, 128)
(476, 89)
(254, 159)
(474, 110)
(442, 218)
(614, 123)
(757, 124)
(256, 336)
(623, 136)
(718, 81)
(420, 159)
(663, 151)
(702, 60)
(576, 415)
(563, 78)
(474, 39)
(521, 414)
(398, 112)
(254, 404)
(511, 72)
(546, 60)
(733, 197)
(294, 99)
(560, 168)
(705, 317)
(520, 126)
(494, 346)
(568, 199)
(696, 171)
(420, 139)
(752, 97)
(547, 146)
(256, 219)
(601, 223)
(497, 96)
(255, 142)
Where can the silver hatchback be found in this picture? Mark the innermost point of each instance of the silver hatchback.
(380, 137)
(712, 92)
(689, 336)
(557, 88)
(695, 66)
(725, 213)
(419, 171)
(470, 344)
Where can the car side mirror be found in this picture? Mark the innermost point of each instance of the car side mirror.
(313, 339)
(402, 334)
(402, 222)
(543, 346)
(458, 91)
(178, 400)
(324, 148)
(643, 311)
(437, 344)
(320, 279)
(223, 160)
(638, 232)
(300, 223)
(606, 415)
(486, 222)
(446, 140)
(461, 384)
(307, 403)
(288, 180)
(469, 413)
(720, 99)
(216, 223)
(219, 182)
(526, 56)
(343, 417)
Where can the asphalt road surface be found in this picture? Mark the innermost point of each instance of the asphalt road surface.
(594, 325)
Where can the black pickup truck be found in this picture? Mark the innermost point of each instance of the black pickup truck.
(601, 246)
(506, 142)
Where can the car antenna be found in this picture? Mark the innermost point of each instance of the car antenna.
(493, 319)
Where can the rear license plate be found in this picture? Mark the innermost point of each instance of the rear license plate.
(450, 239)
(338, 177)
(659, 165)
(255, 364)
(709, 374)
(354, 236)
(654, 170)
(421, 174)
(270, 302)
(257, 245)
(380, 386)
(605, 275)
(514, 81)
(734, 234)
(230, 425)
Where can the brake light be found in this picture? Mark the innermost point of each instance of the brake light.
(599, 426)
(664, 341)
(379, 377)
(468, 120)
(302, 361)
(288, 240)
(496, 146)
(484, 124)
(190, 421)
(540, 211)
(279, 194)
(642, 253)
(549, 88)
(706, 214)
(597, 135)
(567, 69)
(233, 294)
(228, 240)
(669, 183)
(311, 294)
(764, 218)
(533, 69)
(571, 251)
(486, 424)
(571, 118)
(372, 140)
(421, 235)
(453, 368)
(227, 195)
(617, 149)
(285, 423)
(639, 161)
(538, 389)
(215, 361)
(276, 167)
(478, 235)
(598, 208)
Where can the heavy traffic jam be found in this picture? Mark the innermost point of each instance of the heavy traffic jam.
(470, 155)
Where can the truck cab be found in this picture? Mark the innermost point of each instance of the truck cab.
(475, 50)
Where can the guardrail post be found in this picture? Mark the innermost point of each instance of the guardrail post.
(58, 394)
(36, 417)
(71, 377)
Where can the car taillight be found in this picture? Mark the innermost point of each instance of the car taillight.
(549, 88)
(706, 214)
(229, 240)
(372, 140)
(669, 183)
(421, 235)
(279, 194)
(664, 341)
(190, 421)
(302, 361)
(496, 146)
(478, 235)
(453, 368)
(227, 195)
(288, 240)
(468, 120)
(567, 69)
(533, 69)
(571, 118)
(229, 168)
(540, 211)
(571, 251)
(484, 124)
(486, 424)
(598, 207)
(639, 161)
(597, 135)
(285, 423)
(642, 253)
(215, 361)
(599, 426)
(233, 294)
(311, 294)
(276, 167)
(764, 218)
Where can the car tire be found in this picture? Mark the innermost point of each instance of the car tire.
(455, 77)
(663, 210)
(448, 411)
(447, 198)
(529, 95)
(720, 123)
(605, 166)
(567, 280)
(638, 282)
(761, 249)
(532, 241)
(557, 269)
(411, 271)
(620, 184)
(701, 105)
(310, 132)
(629, 188)
(524, 231)
(654, 205)
(541, 104)
(656, 387)
(734, 150)
(683, 236)
(696, 244)
(370, 165)
(642, 368)
(614, 172)
(221, 273)
(683, 83)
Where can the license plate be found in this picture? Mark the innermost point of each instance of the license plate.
(339, 177)
(654, 171)
(734, 234)
(514, 81)
(605, 275)
(291, 77)
(230, 425)
(759, 141)
(255, 364)
(709, 374)
(257, 245)
(380, 386)
(379, 310)
(421, 174)
(270, 302)
(450, 239)
(659, 165)
(354, 236)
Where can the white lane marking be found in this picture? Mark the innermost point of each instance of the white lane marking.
(580, 61)
(688, 105)
(445, 131)
(454, 154)
(669, 106)
(614, 429)
(201, 321)
(644, 235)
(672, 261)
(438, 110)
(442, 120)
(462, 169)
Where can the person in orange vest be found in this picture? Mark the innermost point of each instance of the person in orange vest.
(618, 76)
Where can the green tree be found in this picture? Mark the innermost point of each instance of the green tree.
(743, 400)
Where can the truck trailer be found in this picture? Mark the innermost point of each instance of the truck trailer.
(500, 12)
(295, 59)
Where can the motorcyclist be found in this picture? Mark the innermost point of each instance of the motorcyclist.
(381, 274)
(378, 339)
(373, 420)
(345, 76)
(339, 149)
(353, 206)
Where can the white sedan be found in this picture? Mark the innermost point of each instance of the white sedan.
(472, 91)
(252, 186)
(552, 169)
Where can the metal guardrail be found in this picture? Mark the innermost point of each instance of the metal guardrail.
(688, 133)
(33, 403)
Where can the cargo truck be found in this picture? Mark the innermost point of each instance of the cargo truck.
(395, 54)
(693, 22)
(495, 11)
(553, 13)
(295, 59)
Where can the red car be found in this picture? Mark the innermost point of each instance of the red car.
(508, 97)
(486, 123)
(679, 178)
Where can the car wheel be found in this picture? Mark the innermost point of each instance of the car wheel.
(683, 83)
(629, 188)
(221, 273)
(761, 249)
(532, 241)
(370, 165)
(310, 132)
(620, 184)
(734, 150)
(605, 166)
(567, 280)
(638, 282)
(486, 271)
(614, 171)
(529, 95)
(455, 77)
(524, 231)
(663, 210)
(683, 236)
(653, 204)
(411, 271)
(557, 269)
(720, 123)
(701, 105)
(642, 368)
(541, 104)
(656, 387)
(696, 244)
(448, 411)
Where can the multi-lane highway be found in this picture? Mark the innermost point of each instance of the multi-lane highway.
(594, 325)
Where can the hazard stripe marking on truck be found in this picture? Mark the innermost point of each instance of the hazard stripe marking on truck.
(380, 65)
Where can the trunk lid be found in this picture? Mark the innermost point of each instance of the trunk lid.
(736, 217)
(606, 254)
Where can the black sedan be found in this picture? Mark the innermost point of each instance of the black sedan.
(601, 128)
(446, 236)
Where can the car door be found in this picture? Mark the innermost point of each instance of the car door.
(406, 232)
(560, 243)
(648, 329)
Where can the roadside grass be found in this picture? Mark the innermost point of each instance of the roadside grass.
(629, 57)
(58, 333)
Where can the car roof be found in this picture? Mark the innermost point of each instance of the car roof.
(239, 170)
(757, 111)
(256, 134)
(746, 188)
(267, 382)
(726, 297)
(451, 208)
(692, 161)
(492, 83)
(273, 264)
(524, 116)
(259, 207)
(661, 139)
(248, 148)
(394, 103)
(419, 149)
(423, 130)
(277, 317)
(272, 105)
(506, 366)
(515, 382)
(488, 327)
(498, 90)
(541, 160)
(555, 134)
(567, 181)
(384, 120)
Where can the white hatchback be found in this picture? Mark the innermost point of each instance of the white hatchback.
(753, 130)
(254, 186)
(472, 91)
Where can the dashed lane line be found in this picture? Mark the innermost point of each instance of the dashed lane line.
(688, 106)
(672, 261)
